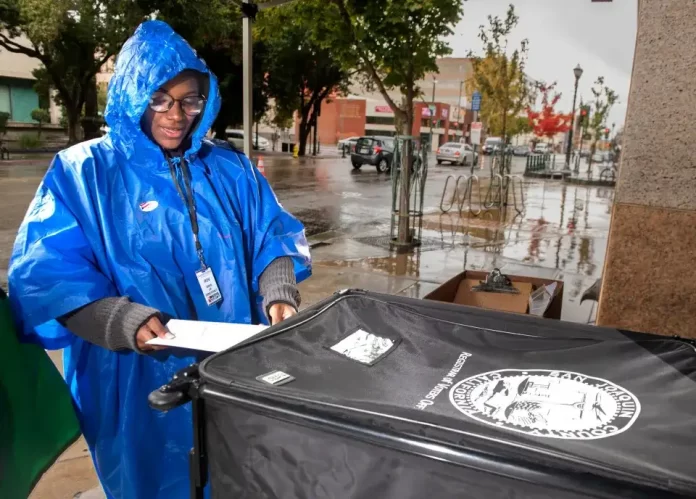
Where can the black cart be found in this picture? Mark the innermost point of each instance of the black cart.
(381, 397)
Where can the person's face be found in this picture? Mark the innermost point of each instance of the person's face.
(169, 128)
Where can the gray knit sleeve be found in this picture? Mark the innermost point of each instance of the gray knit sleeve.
(111, 323)
(277, 284)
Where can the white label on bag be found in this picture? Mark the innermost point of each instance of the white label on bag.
(276, 378)
(363, 347)
(209, 286)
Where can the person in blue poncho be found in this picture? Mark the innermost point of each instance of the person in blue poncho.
(148, 222)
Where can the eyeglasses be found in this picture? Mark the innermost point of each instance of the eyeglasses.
(191, 105)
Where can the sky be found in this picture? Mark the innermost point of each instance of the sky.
(600, 36)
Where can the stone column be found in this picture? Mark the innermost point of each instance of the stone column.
(649, 281)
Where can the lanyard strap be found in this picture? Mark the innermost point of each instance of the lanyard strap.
(189, 201)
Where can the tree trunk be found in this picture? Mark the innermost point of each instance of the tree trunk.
(305, 130)
(219, 128)
(593, 148)
(73, 124)
(91, 122)
(404, 232)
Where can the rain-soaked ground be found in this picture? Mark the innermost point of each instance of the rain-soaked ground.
(561, 233)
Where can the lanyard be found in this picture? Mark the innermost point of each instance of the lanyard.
(189, 201)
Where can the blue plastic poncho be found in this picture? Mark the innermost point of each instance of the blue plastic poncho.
(108, 221)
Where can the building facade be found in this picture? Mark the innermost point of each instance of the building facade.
(18, 97)
(442, 105)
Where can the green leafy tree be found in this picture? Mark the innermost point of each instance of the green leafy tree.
(41, 116)
(301, 73)
(499, 75)
(72, 39)
(604, 99)
(214, 29)
(519, 126)
(393, 43)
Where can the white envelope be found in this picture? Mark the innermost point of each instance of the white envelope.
(206, 336)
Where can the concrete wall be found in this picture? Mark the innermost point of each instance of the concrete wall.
(19, 67)
(649, 279)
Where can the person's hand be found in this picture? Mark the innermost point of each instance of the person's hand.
(280, 311)
(151, 329)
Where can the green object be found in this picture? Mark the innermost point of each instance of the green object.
(37, 419)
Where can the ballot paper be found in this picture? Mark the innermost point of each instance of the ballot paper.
(206, 336)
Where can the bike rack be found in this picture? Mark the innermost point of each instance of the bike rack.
(469, 190)
(511, 180)
(494, 196)
(608, 174)
(444, 191)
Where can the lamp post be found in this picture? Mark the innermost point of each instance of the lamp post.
(432, 114)
(578, 73)
(459, 110)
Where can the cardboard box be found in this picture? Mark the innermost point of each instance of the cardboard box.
(458, 290)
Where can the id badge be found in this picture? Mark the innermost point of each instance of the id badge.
(209, 286)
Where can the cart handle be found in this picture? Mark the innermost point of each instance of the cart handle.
(177, 392)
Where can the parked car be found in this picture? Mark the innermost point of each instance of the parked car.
(236, 138)
(376, 151)
(490, 144)
(349, 144)
(456, 154)
(542, 148)
(522, 151)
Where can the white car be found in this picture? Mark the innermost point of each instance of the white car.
(236, 138)
(348, 143)
(541, 148)
(456, 154)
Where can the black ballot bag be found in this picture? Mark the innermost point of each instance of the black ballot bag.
(382, 397)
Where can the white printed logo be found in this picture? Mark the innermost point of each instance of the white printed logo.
(148, 206)
(544, 403)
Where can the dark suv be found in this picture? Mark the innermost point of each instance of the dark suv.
(375, 151)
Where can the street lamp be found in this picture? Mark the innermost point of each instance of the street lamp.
(459, 110)
(432, 113)
(578, 73)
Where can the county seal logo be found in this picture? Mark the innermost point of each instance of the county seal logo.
(545, 403)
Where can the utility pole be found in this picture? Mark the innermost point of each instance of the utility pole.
(249, 11)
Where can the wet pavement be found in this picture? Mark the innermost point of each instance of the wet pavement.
(560, 234)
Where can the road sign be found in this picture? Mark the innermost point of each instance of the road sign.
(476, 129)
(476, 101)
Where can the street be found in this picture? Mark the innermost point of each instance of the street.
(561, 234)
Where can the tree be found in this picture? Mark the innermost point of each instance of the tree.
(300, 72)
(604, 99)
(214, 29)
(499, 76)
(42, 116)
(72, 39)
(393, 43)
(519, 126)
(547, 122)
